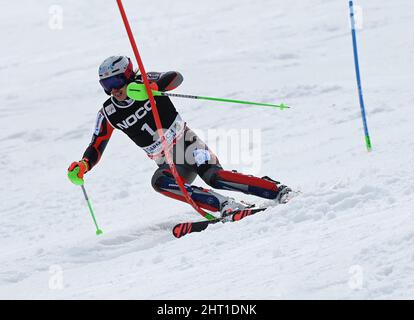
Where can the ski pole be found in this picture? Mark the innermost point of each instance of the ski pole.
(98, 231)
(136, 91)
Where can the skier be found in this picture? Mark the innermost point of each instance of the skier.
(191, 155)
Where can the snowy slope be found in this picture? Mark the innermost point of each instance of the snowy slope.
(349, 235)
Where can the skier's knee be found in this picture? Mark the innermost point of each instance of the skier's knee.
(157, 177)
(210, 176)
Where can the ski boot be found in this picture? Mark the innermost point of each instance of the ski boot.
(230, 206)
(285, 193)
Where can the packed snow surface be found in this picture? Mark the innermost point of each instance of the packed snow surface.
(349, 235)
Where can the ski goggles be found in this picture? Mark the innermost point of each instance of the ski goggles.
(114, 82)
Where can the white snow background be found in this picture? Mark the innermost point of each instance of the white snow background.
(350, 235)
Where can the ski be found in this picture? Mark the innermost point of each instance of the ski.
(185, 228)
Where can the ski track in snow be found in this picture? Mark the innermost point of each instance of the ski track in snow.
(349, 235)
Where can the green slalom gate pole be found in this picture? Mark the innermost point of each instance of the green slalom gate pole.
(98, 231)
(136, 91)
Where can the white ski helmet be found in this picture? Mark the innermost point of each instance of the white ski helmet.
(115, 72)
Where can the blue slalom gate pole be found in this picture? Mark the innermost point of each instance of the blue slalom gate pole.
(358, 76)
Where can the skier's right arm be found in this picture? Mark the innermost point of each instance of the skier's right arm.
(93, 153)
(100, 138)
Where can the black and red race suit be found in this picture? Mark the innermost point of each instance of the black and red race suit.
(135, 119)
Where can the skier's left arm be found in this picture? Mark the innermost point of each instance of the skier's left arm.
(165, 81)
